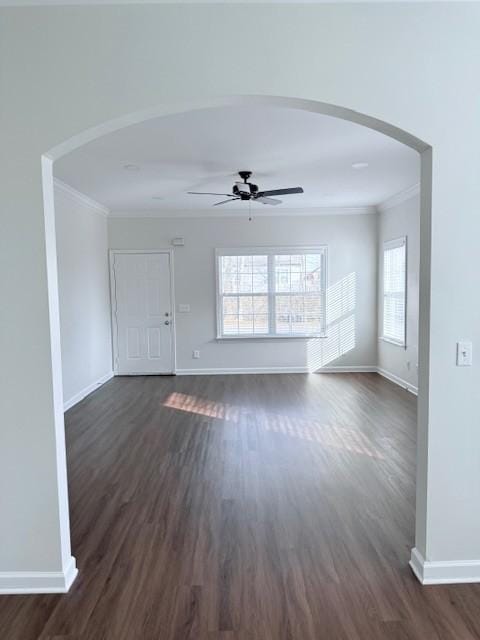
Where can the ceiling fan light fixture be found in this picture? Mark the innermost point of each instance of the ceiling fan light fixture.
(243, 187)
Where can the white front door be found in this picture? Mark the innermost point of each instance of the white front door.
(142, 313)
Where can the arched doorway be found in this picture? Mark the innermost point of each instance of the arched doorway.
(315, 107)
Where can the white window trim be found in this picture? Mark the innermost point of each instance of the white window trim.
(270, 251)
(395, 244)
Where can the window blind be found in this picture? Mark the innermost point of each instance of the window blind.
(271, 292)
(394, 290)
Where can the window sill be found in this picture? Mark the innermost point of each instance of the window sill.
(394, 342)
(266, 337)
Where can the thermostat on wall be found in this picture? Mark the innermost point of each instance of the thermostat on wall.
(178, 242)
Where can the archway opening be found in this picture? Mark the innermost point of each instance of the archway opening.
(317, 355)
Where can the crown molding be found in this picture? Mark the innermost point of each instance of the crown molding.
(398, 198)
(78, 195)
(238, 213)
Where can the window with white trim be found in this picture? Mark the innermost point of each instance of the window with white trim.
(395, 290)
(271, 292)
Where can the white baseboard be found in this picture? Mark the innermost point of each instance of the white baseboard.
(260, 370)
(240, 370)
(445, 572)
(12, 582)
(68, 404)
(348, 369)
(401, 383)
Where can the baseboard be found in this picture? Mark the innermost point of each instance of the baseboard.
(261, 370)
(239, 370)
(446, 572)
(68, 404)
(347, 369)
(401, 383)
(17, 582)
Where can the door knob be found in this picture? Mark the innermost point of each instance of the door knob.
(167, 322)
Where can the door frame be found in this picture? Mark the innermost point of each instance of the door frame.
(111, 258)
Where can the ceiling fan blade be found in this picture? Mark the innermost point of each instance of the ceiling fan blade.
(269, 201)
(208, 193)
(224, 201)
(279, 192)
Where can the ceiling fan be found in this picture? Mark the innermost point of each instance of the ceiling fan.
(248, 191)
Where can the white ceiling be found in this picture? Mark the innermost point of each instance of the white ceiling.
(202, 151)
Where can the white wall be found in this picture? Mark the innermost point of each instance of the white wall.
(351, 313)
(413, 65)
(84, 295)
(402, 219)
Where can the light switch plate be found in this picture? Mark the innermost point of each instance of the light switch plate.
(464, 354)
(184, 308)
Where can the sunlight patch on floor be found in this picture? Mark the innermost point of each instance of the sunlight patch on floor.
(327, 434)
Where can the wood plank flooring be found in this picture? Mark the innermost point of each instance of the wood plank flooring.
(244, 508)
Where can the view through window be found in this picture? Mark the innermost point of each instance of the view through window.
(271, 292)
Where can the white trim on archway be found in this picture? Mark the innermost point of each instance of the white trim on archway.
(278, 101)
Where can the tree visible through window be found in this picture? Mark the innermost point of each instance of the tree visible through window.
(275, 292)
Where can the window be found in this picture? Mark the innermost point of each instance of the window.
(271, 292)
(395, 290)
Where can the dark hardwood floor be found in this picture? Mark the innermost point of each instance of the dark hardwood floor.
(244, 508)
